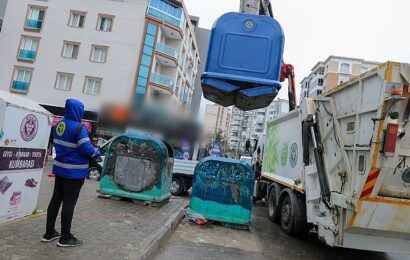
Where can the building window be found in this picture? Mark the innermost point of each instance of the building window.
(71, 49)
(99, 53)
(64, 81)
(77, 19)
(364, 69)
(35, 18)
(21, 79)
(28, 48)
(343, 78)
(320, 82)
(105, 22)
(276, 111)
(345, 68)
(92, 85)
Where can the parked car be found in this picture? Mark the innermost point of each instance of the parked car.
(96, 166)
(183, 173)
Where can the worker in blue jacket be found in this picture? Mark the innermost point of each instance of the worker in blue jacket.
(73, 152)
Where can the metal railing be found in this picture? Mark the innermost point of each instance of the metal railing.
(168, 50)
(162, 79)
(165, 16)
(20, 86)
(34, 24)
(27, 54)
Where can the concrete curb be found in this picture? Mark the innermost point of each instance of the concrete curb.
(152, 243)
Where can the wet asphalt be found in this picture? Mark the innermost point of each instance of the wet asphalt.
(264, 240)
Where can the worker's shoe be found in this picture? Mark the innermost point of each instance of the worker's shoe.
(49, 238)
(70, 242)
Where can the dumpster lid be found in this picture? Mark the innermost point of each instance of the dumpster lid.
(22, 102)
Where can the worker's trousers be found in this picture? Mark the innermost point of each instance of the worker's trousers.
(66, 191)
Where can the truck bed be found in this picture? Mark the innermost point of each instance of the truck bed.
(184, 167)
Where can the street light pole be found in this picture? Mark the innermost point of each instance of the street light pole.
(216, 123)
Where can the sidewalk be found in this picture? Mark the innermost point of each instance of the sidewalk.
(110, 229)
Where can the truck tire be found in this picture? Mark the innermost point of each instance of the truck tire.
(178, 186)
(287, 215)
(293, 212)
(273, 205)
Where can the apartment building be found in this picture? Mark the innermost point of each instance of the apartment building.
(250, 125)
(217, 119)
(334, 71)
(98, 51)
(203, 37)
(3, 4)
(169, 62)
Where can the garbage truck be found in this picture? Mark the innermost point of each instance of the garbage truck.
(339, 165)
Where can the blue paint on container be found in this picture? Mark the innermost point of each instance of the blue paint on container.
(222, 190)
(244, 61)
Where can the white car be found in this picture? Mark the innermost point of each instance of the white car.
(95, 168)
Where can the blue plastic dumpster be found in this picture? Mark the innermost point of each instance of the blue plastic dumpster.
(222, 190)
(138, 166)
(244, 60)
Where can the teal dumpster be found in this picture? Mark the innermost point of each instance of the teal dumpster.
(138, 166)
(222, 190)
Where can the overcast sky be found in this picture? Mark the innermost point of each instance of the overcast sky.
(375, 30)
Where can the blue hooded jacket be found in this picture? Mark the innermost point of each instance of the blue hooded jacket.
(73, 148)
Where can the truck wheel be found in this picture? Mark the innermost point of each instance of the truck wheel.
(177, 186)
(273, 199)
(287, 216)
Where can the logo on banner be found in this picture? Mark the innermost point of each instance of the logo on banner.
(60, 128)
(29, 127)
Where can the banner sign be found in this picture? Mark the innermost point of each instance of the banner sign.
(216, 149)
(186, 149)
(13, 158)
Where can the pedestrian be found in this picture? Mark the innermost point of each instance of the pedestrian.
(73, 152)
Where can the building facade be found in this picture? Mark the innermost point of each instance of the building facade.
(98, 51)
(3, 4)
(202, 36)
(217, 120)
(251, 125)
(334, 71)
(169, 61)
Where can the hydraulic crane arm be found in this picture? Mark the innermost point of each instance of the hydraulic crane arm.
(288, 72)
(258, 7)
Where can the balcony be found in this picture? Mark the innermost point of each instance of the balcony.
(163, 81)
(234, 128)
(167, 50)
(20, 86)
(168, 56)
(166, 11)
(34, 24)
(27, 55)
